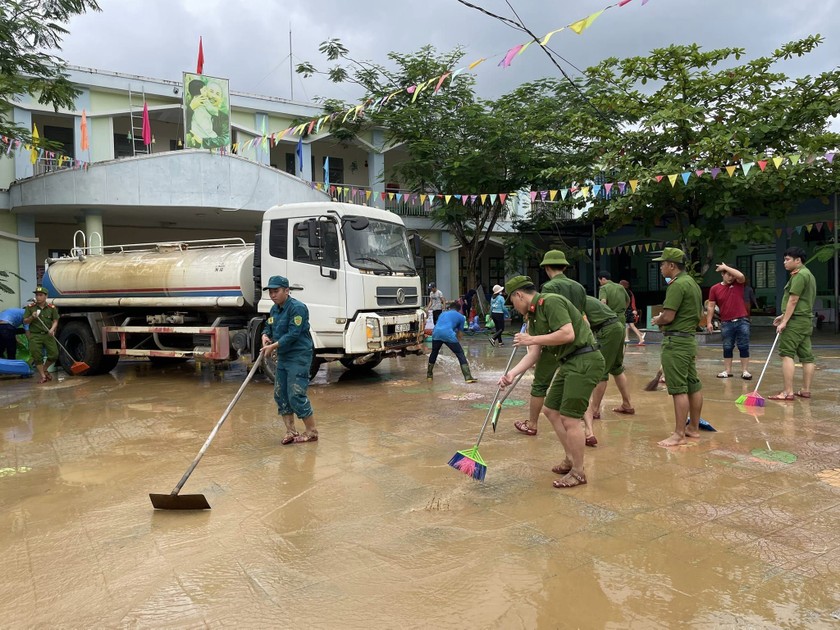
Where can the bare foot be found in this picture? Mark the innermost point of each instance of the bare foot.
(675, 440)
(692, 433)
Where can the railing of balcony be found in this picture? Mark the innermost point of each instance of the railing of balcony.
(51, 165)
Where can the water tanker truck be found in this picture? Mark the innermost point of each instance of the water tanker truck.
(352, 265)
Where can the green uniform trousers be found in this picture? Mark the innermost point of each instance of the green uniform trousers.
(573, 384)
(795, 339)
(38, 342)
(679, 364)
(611, 340)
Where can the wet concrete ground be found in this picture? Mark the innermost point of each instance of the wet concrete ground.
(370, 526)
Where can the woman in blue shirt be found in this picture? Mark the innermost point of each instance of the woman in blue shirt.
(497, 313)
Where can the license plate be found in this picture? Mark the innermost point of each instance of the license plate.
(402, 328)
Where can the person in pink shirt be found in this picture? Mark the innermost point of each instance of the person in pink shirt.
(728, 295)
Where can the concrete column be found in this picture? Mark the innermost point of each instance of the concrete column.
(305, 173)
(376, 169)
(781, 274)
(93, 227)
(261, 125)
(23, 163)
(446, 267)
(26, 256)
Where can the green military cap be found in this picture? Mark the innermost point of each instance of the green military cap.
(277, 282)
(40, 289)
(555, 258)
(518, 282)
(671, 254)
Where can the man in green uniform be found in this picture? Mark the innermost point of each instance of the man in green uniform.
(555, 264)
(795, 326)
(287, 332)
(609, 333)
(42, 318)
(681, 312)
(557, 329)
(613, 295)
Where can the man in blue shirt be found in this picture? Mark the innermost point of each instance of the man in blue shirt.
(448, 331)
(287, 332)
(10, 320)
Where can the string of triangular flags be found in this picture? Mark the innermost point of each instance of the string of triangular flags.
(575, 191)
(37, 154)
(655, 246)
(434, 84)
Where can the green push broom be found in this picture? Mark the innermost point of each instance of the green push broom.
(470, 461)
(755, 399)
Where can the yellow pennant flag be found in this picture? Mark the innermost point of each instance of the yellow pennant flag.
(391, 196)
(367, 194)
(548, 36)
(633, 184)
(33, 153)
(794, 159)
(475, 63)
(581, 25)
(777, 162)
(809, 227)
(584, 191)
(422, 199)
(552, 194)
(730, 170)
(672, 179)
(602, 251)
(446, 198)
(483, 199)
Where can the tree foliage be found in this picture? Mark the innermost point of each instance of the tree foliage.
(29, 30)
(680, 109)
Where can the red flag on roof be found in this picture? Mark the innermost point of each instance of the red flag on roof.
(199, 68)
(147, 127)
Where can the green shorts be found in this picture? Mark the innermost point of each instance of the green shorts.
(795, 339)
(39, 342)
(611, 340)
(573, 384)
(543, 373)
(679, 356)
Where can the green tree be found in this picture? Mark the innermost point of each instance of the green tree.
(455, 142)
(29, 30)
(680, 109)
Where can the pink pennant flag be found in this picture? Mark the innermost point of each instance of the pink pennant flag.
(762, 164)
(659, 178)
(533, 195)
(607, 187)
(819, 226)
(504, 63)
(147, 127)
(699, 172)
(502, 197)
(440, 82)
(623, 2)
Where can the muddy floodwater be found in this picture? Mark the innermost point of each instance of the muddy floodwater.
(370, 527)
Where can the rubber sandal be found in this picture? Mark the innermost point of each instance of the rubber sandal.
(566, 482)
(746, 376)
(289, 438)
(725, 375)
(523, 427)
(306, 437)
(42, 380)
(596, 415)
(47, 376)
(591, 441)
(562, 469)
(802, 394)
(781, 396)
(628, 412)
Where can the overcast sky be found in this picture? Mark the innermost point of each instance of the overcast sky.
(247, 41)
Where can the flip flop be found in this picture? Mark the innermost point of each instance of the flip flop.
(802, 394)
(591, 441)
(523, 427)
(782, 396)
(299, 439)
(628, 412)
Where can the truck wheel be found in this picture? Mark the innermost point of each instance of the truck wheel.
(364, 367)
(269, 366)
(79, 341)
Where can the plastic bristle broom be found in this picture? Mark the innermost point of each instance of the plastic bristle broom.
(498, 409)
(470, 461)
(755, 399)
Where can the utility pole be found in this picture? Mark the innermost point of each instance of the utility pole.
(291, 67)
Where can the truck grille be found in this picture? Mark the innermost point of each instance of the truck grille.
(390, 296)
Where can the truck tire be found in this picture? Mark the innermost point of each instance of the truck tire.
(269, 366)
(79, 341)
(364, 367)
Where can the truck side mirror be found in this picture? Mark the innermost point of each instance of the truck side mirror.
(415, 244)
(418, 262)
(357, 223)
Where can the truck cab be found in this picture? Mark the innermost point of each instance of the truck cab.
(353, 267)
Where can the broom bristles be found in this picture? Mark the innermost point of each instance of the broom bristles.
(470, 463)
(754, 400)
(654, 383)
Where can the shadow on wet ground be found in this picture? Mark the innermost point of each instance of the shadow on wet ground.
(371, 526)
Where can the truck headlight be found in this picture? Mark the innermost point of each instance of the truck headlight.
(373, 329)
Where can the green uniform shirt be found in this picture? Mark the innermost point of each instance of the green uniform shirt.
(803, 284)
(548, 313)
(615, 296)
(683, 296)
(49, 314)
(597, 312)
(568, 288)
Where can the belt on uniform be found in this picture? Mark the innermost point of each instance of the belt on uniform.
(604, 324)
(675, 333)
(584, 350)
(737, 319)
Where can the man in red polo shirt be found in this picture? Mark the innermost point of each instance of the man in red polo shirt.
(728, 295)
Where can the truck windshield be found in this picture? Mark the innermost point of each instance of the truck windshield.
(381, 247)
